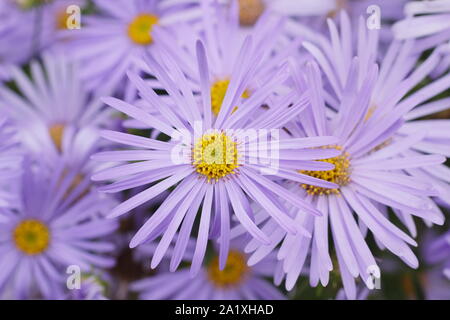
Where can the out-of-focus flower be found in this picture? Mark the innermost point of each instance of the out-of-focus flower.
(10, 163)
(435, 280)
(91, 288)
(55, 114)
(16, 36)
(435, 285)
(307, 19)
(429, 19)
(110, 42)
(56, 226)
(30, 27)
(222, 46)
(235, 281)
(438, 253)
(362, 293)
(210, 159)
(56, 18)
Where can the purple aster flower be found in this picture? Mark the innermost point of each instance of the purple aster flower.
(390, 101)
(399, 74)
(55, 114)
(222, 182)
(109, 43)
(235, 281)
(55, 227)
(371, 177)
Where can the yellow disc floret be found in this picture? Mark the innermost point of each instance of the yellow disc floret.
(218, 91)
(139, 30)
(340, 5)
(340, 175)
(250, 11)
(61, 20)
(232, 275)
(215, 156)
(56, 133)
(31, 236)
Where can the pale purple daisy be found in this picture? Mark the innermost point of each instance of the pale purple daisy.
(55, 227)
(381, 165)
(370, 178)
(110, 41)
(223, 181)
(54, 113)
(236, 281)
(400, 72)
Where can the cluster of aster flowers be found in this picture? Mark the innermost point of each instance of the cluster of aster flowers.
(223, 149)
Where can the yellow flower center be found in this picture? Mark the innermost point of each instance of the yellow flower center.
(340, 175)
(250, 11)
(139, 30)
(234, 272)
(61, 20)
(340, 5)
(215, 156)
(56, 133)
(218, 91)
(31, 236)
